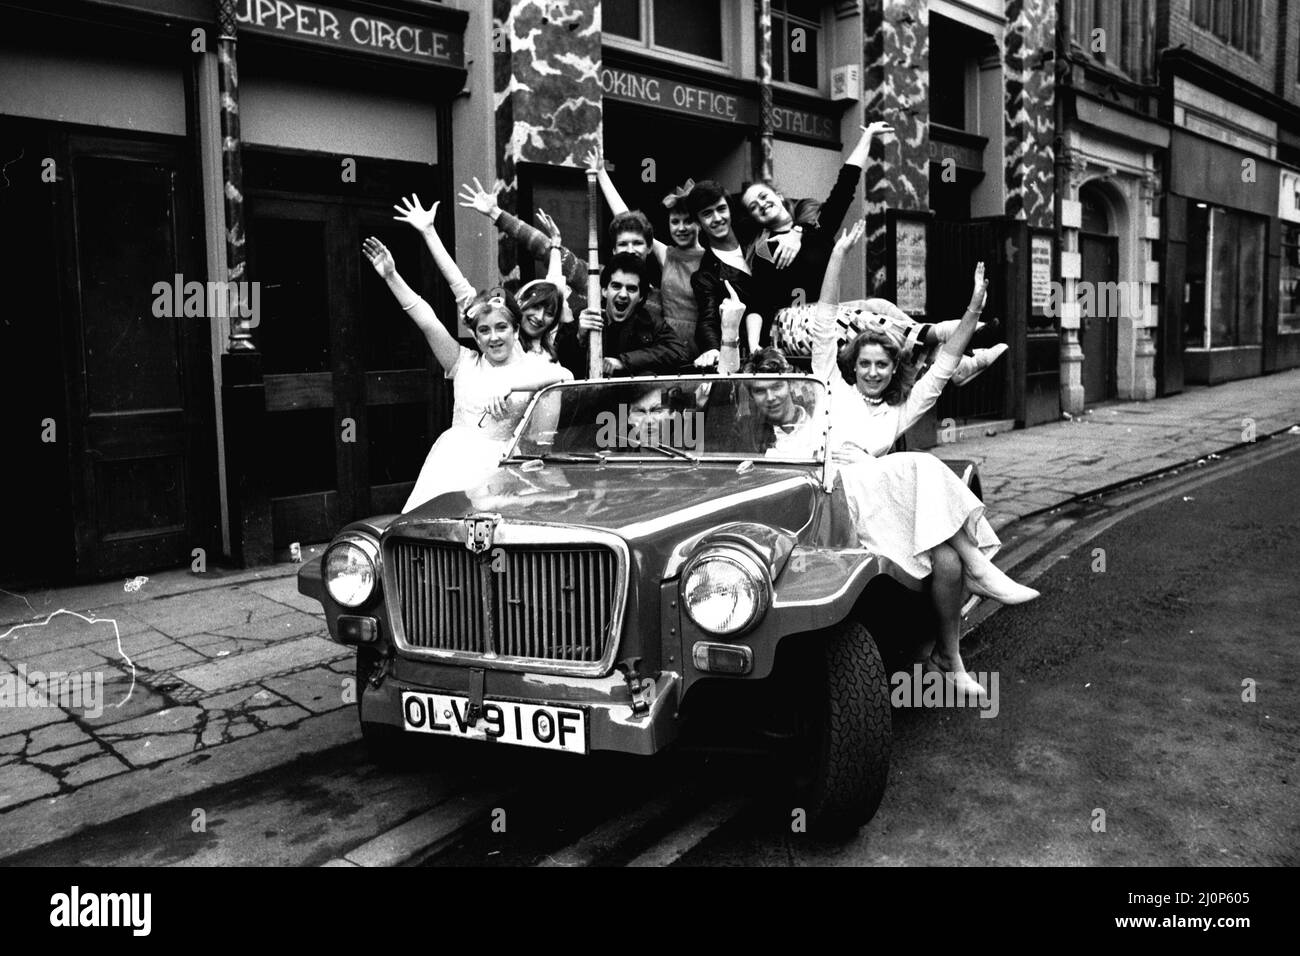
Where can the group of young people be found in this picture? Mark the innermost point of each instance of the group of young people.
(708, 301)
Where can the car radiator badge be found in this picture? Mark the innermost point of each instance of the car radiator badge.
(479, 531)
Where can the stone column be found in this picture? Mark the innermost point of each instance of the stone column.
(1071, 266)
(1030, 91)
(547, 91)
(1148, 231)
(896, 89)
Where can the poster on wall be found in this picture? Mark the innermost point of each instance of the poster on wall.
(1040, 282)
(910, 267)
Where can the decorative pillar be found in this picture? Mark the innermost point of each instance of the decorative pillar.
(241, 332)
(764, 170)
(896, 88)
(548, 93)
(243, 386)
(1030, 127)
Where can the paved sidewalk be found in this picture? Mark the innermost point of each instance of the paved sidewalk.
(225, 663)
(100, 680)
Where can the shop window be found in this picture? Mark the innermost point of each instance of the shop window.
(796, 42)
(1235, 22)
(955, 50)
(1117, 34)
(622, 18)
(693, 28)
(1226, 277)
(1288, 319)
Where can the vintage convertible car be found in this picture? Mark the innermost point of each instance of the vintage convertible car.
(650, 553)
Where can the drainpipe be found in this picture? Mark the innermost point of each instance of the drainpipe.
(241, 332)
(764, 167)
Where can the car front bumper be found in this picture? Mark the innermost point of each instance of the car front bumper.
(611, 723)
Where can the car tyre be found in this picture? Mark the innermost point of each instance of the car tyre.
(847, 730)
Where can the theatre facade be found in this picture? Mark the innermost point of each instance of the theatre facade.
(202, 369)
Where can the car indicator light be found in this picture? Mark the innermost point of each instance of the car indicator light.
(722, 658)
(353, 629)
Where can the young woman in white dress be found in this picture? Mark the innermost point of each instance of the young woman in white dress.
(908, 506)
(486, 384)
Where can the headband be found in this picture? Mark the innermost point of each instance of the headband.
(496, 302)
(679, 194)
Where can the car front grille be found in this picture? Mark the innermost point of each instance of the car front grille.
(552, 604)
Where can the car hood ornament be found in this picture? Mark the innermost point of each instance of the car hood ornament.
(479, 530)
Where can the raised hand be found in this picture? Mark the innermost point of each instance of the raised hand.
(594, 160)
(731, 310)
(850, 236)
(980, 292)
(788, 245)
(549, 227)
(878, 128)
(414, 215)
(379, 257)
(476, 197)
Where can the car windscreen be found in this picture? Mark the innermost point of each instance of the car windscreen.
(775, 417)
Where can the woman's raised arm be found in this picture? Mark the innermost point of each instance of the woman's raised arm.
(614, 200)
(862, 149)
(957, 342)
(417, 217)
(825, 332)
(445, 348)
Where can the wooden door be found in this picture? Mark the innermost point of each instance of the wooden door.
(353, 400)
(139, 376)
(1098, 330)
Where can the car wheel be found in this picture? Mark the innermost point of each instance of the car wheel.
(845, 732)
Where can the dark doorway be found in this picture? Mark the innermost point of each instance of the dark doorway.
(954, 249)
(353, 396)
(1100, 298)
(678, 147)
(126, 380)
(1098, 328)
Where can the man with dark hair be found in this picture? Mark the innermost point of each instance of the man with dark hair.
(635, 342)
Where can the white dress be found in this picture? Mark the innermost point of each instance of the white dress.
(905, 503)
(466, 454)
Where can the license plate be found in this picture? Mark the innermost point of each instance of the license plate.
(503, 721)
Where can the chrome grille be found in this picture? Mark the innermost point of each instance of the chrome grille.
(535, 603)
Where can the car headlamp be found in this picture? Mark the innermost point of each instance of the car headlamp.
(351, 571)
(725, 590)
